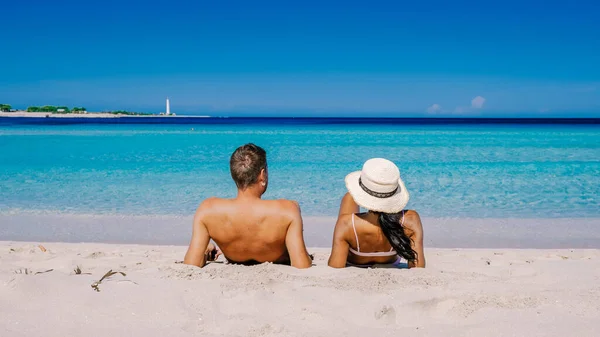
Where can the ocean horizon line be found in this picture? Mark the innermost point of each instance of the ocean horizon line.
(194, 119)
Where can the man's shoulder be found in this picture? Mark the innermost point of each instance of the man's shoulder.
(286, 206)
(212, 203)
(284, 203)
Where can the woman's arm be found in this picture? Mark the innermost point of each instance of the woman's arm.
(339, 246)
(348, 206)
(412, 222)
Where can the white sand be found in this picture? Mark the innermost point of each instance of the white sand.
(463, 292)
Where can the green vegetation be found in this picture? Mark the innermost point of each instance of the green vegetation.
(45, 108)
(75, 110)
(128, 113)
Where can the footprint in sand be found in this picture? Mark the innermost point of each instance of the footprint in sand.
(439, 307)
(387, 315)
(265, 329)
(28, 249)
(95, 255)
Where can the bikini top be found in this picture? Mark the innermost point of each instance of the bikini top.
(357, 252)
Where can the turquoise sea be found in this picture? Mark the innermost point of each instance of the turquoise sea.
(463, 170)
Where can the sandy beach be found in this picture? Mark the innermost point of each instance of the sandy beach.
(462, 292)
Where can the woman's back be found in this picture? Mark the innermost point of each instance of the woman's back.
(370, 246)
(373, 246)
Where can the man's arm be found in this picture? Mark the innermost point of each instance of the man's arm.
(196, 253)
(294, 240)
(412, 221)
(339, 247)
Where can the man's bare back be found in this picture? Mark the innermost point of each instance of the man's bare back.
(252, 230)
(248, 229)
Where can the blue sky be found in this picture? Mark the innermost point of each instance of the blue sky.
(388, 58)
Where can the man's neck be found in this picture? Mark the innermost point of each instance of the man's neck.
(249, 193)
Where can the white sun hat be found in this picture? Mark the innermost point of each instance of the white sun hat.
(378, 186)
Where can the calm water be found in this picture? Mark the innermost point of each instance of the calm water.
(471, 170)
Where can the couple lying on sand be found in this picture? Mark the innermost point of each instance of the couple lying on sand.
(250, 230)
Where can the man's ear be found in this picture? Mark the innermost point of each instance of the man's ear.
(263, 175)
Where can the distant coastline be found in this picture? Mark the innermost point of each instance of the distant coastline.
(22, 114)
(48, 111)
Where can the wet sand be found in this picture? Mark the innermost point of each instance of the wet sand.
(176, 230)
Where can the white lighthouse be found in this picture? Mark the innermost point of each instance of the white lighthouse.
(168, 111)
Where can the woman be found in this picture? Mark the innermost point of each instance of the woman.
(386, 232)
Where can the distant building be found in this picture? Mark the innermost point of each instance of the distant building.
(60, 110)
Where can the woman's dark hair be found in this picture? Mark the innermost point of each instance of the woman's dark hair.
(390, 226)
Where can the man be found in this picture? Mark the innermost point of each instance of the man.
(247, 229)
